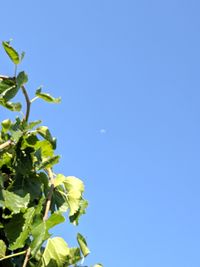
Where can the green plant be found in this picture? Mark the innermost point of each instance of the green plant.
(33, 199)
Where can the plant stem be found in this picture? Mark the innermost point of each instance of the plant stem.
(50, 193)
(13, 255)
(6, 144)
(28, 253)
(28, 103)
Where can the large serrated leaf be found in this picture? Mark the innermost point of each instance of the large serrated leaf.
(47, 97)
(11, 52)
(83, 245)
(74, 188)
(56, 253)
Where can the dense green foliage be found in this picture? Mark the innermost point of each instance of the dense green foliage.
(33, 199)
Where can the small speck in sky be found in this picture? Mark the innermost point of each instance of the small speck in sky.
(103, 131)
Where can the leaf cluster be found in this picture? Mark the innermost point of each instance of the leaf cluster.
(33, 199)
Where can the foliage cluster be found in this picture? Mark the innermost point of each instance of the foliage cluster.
(33, 199)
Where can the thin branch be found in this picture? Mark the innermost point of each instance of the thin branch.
(6, 144)
(49, 196)
(28, 253)
(13, 255)
(28, 103)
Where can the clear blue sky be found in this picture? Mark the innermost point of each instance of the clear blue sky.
(131, 68)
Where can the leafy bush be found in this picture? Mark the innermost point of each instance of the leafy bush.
(33, 199)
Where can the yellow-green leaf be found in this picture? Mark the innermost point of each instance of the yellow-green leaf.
(83, 245)
(47, 97)
(11, 52)
(2, 249)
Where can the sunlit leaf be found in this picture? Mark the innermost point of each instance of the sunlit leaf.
(6, 125)
(38, 233)
(14, 202)
(45, 133)
(75, 188)
(11, 106)
(83, 204)
(6, 84)
(11, 52)
(55, 253)
(83, 245)
(32, 124)
(74, 256)
(54, 219)
(59, 179)
(47, 97)
(49, 162)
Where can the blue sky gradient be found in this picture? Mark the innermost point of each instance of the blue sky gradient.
(130, 68)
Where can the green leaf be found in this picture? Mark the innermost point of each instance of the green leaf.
(45, 133)
(11, 52)
(60, 200)
(47, 97)
(14, 202)
(56, 252)
(74, 183)
(74, 256)
(83, 204)
(6, 125)
(22, 78)
(8, 89)
(9, 93)
(22, 56)
(54, 219)
(83, 245)
(38, 233)
(59, 180)
(46, 149)
(32, 124)
(74, 187)
(6, 84)
(18, 229)
(2, 249)
(49, 162)
(11, 106)
(98, 265)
